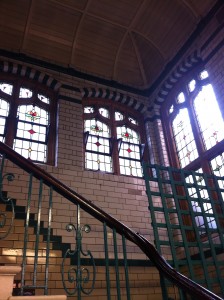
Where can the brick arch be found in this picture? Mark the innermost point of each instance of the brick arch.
(28, 72)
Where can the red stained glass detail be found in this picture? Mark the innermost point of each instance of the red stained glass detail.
(31, 131)
(127, 135)
(96, 128)
(129, 150)
(33, 115)
(98, 144)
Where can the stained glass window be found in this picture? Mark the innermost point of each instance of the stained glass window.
(120, 153)
(209, 117)
(4, 111)
(194, 129)
(6, 88)
(25, 93)
(25, 121)
(201, 203)
(195, 123)
(184, 138)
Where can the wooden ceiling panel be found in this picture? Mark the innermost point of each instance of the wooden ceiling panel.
(128, 68)
(95, 44)
(120, 12)
(48, 50)
(167, 19)
(72, 4)
(13, 17)
(129, 41)
(151, 59)
(54, 20)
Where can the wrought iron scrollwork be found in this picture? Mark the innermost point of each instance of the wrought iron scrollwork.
(78, 279)
(6, 218)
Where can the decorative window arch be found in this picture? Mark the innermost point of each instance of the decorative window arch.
(194, 131)
(113, 138)
(28, 118)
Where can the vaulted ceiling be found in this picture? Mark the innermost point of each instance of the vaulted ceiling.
(127, 41)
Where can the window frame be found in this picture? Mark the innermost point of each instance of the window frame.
(204, 156)
(14, 102)
(112, 123)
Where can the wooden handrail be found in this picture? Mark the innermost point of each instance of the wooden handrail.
(170, 273)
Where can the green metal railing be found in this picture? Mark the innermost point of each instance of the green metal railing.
(97, 261)
(186, 210)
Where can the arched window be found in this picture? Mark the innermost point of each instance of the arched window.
(194, 125)
(113, 138)
(28, 119)
(194, 130)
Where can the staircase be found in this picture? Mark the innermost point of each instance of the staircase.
(105, 259)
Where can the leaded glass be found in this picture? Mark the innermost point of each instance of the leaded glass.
(96, 127)
(183, 135)
(209, 117)
(192, 85)
(217, 165)
(130, 167)
(119, 116)
(88, 109)
(98, 144)
(31, 132)
(98, 162)
(201, 203)
(25, 93)
(4, 111)
(129, 150)
(181, 98)
(31, 150)
(128, 134)
(6, 88)
(171, 109)
(43, 98)
(132, 120)
(203, 75)
(104, 112)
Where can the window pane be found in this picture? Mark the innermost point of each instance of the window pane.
(4, 111)
(192, 85)
(88, 109)
(203, 75)
(184, 139)
(31, 150)
(128, 135)
(104, 112)
(43, 98)
(201, 204)
(209, 117)
(96, 128)
(130, 167)
(130, 151)
(32, 113)
(181, 98)
(132, 120)
(6, 88)
(118, 116)
(98, 162)
(25, 93)
(98, 144)
(217, 165)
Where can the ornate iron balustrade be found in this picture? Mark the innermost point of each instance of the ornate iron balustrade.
(39, 191)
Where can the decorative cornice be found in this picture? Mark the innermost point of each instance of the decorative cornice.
(31, 73)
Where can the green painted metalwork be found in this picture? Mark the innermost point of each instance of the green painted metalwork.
(116, 265)
(186, 210)
(78, 275)
(126, 268)
(106, 260)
